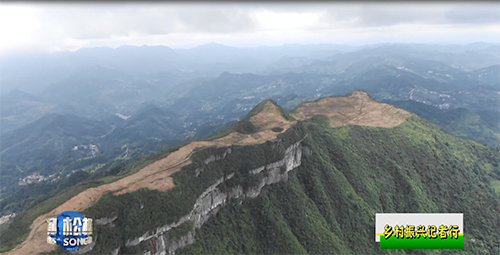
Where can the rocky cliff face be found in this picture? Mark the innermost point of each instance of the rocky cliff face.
(167, 239)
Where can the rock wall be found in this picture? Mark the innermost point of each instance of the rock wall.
(212, 159)
(87, 248)
(212, 199)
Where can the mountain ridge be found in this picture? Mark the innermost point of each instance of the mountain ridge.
(263, 119)
(230, 218)
(189, 161)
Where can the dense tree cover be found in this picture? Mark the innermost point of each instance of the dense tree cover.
(46, 145)
(482, 126)
(328, 205)
(34, 200)
(141, 211)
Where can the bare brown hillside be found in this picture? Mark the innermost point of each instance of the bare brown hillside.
(355, 109)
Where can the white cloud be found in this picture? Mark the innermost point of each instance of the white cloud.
(17, 25)
(57, 26)
(269, 20)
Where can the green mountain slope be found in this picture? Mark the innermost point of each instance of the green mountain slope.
(482, 126)
(45, 145)
(329, 203)
(18, 108)
(326, 205)
(489, 75)
(149, 123)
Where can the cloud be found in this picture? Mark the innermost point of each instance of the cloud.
(58, 26)
(105, 21)
(474, 14)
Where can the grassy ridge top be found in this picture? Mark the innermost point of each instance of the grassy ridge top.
(356, 108)
(270, 105)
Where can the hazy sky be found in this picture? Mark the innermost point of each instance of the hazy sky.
(47, 27)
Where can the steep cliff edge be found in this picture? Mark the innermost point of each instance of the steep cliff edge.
(328, 203)
(215, 178)
(213, 198)
(321, 204)
(271, 199)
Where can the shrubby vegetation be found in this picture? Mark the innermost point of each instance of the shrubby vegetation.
(482, 126)
(328, 204)
(34, 200)
(277, 129)
(161, 208)
(165, 208)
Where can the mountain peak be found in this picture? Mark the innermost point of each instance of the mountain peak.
(356, 108)
(265, 116)
(267, 105)
(18, 95)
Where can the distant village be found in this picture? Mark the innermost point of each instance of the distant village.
(34, 178)
(37, 177)
(91, 149)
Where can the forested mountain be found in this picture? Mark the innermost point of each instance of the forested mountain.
(247, 128)
(52, 133)
(86, 118)
(482, 126)
(314, 188)
(328, 203)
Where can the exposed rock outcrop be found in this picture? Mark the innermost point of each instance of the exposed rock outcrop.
(213, 198)
(212, 159)
(106, 220)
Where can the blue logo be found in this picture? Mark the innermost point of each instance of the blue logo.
(69, 230)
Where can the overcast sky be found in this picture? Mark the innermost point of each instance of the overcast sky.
(48, 27)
